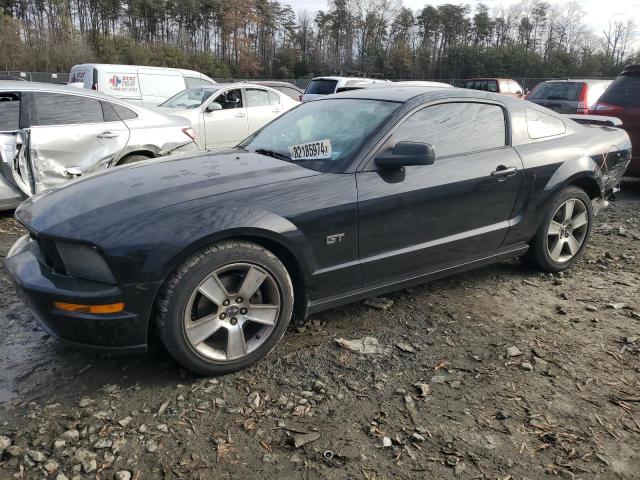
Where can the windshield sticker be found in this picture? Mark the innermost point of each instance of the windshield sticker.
(317, 150)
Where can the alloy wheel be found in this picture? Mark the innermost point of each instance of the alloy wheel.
(232, 312)
(567, 230)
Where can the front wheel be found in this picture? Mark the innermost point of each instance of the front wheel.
(225, 307)
(564, 232)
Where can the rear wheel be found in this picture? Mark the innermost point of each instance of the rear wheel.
(564, 232)
(225, 307)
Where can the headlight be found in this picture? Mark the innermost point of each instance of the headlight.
(83, 261)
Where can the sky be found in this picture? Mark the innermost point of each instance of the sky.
(597, 12)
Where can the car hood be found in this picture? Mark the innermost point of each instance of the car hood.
(125, 192)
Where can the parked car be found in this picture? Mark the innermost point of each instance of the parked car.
(149, 86)
(224, 114)
(53, 133)
(568, 96)
(337, 200)
(404, 83)
(320, 86)
(505, 86)
(287, 88)
(622, 100)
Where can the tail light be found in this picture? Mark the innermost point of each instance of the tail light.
(189, 133)
(583, 106)
(603, 108)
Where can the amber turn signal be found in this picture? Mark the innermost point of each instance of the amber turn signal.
(74, 307)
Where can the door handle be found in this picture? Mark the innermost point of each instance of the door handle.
(276, 110)
(503, 172)
(108, 135)
(240, 114)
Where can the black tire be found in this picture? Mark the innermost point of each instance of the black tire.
(133, 159)
(172, 303)
(538, 254)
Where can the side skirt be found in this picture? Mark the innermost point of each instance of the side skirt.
(366, 292)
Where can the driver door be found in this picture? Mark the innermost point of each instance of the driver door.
(225, 128)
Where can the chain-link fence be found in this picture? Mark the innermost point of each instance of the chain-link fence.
(62, 78)
(45, 77)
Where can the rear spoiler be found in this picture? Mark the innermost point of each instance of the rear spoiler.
(599, 120)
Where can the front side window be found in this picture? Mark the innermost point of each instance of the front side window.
(9, 112)
(189, 98)
(322, 135)
(47, 109)
(257, 97)
(230, 99)
(455, 128)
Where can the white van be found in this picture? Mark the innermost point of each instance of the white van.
(149, 86)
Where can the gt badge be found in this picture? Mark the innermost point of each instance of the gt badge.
(333, 239)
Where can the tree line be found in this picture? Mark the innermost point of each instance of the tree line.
(267, 39)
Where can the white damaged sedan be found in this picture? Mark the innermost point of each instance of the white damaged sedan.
(51, 133)
(222, 115)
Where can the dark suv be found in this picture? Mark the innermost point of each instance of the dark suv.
(568, 96)
(622, 100)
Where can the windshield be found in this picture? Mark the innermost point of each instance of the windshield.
(321, 86)
(189, 98)
(321, 135)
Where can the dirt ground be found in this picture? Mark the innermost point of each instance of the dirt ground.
(443, 396)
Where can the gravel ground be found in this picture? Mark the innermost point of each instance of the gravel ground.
(502, 372)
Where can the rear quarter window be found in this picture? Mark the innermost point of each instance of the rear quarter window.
(321, 87)
(624, 91)
(542, 125)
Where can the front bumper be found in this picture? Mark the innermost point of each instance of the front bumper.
(38, 286)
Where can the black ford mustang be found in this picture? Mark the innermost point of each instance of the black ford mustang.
(339, 199)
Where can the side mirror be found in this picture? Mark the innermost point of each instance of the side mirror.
(405, 154)
(213, 106)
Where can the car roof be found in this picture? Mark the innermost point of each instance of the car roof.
(579, 80)
(405, 93)
(488, 78)
(219, 86)
(268, 83)
(631, 69)
(55, 88)
(343, 78)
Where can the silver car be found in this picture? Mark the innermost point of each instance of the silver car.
(50, 134)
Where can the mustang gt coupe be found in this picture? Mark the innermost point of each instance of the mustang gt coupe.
(339, 199)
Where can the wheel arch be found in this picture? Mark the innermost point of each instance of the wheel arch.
(289, 254)
(147, 153)
(581, 172)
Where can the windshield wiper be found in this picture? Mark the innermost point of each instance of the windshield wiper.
(273, 153)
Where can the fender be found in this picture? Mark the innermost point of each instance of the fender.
(572, 170)
(199, 226)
